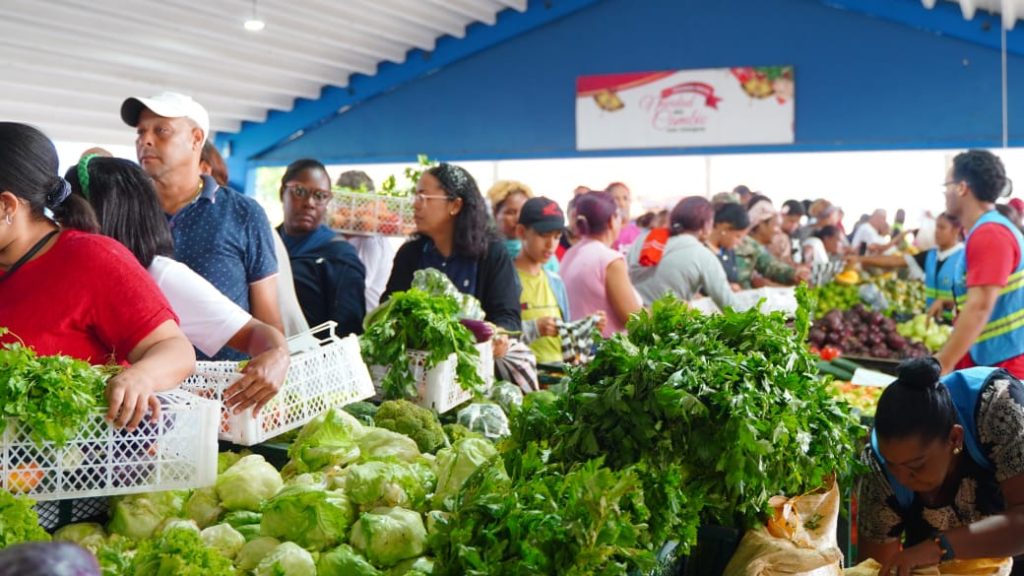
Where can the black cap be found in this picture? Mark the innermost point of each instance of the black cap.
(542, 214)
(793, 208)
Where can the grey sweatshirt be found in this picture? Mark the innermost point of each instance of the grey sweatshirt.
(687, 267)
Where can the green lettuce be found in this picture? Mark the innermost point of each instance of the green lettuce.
(310, 516)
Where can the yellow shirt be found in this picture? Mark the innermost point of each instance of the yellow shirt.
(538, 301)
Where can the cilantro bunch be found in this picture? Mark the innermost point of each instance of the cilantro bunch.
(52, 395)
(728, 409)
(546, 518)
(416, 320)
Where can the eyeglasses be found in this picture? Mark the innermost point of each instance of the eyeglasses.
(420, 197)
(319, 196)
(951, 182)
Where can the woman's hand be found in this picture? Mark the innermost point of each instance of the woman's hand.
(602, 320)
(261, 379)
(129, 395)
(500, 344)
(902, 563)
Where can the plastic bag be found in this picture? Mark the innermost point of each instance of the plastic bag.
(507, 395)
(979, 567)
(433, 281)
(487, 419)
(873, 297)
(799, 540)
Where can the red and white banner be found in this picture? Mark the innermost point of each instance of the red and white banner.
(712, 107)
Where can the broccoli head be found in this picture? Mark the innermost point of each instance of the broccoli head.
(417, 423)
(457, 432)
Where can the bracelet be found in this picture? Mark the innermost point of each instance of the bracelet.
(944, 547)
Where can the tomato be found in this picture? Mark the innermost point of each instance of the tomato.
(24, 478)
(829, 353)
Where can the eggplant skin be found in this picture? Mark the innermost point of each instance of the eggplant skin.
(47, 558)
(481, 330)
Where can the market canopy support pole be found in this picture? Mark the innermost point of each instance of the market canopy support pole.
(281, 127)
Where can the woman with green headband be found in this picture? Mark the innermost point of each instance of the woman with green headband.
(122, 204)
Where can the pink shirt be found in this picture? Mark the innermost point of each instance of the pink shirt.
(629, 233)
(584, 269)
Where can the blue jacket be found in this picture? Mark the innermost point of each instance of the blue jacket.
(939, 280)
(965, 387)
(1003, 335)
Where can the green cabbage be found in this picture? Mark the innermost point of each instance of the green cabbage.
(456, 464)
(137, 516)
(384, 484)
(88, 535)
(344, 561)
(224, 539)
(203, 506)
(389, 535)
(249, 482)
(382, 444)
(310, 516)
(176, 524)
(288, 559)
(179, 552)
(327, 440)
(254, 551)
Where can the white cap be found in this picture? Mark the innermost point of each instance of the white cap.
(168, 105)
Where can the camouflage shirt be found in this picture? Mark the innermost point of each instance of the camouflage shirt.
(752, 257)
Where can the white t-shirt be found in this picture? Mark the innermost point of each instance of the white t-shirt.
(377, 253)
(208, 318)
(814, 251)
(866, 234)
(292, 318)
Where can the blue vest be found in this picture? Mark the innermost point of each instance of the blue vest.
(965, 388)
(938, 281)
(1003, 336)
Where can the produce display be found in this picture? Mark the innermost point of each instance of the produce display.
(927, 330)
(687, 420)
(713, 414)
(903, 296)
(863, 398)
(833, 297)
(862, 332)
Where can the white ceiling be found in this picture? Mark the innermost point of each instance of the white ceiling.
(66, 65)
(1010, 10)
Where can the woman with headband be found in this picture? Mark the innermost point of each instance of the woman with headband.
(64, 291)
(453, 236)
(114, 197)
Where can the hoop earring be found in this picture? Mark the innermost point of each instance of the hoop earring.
(8, 220)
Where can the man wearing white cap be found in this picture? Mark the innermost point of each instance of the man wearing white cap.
(221, 234)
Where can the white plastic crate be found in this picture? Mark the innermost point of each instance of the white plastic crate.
(330, 375)
(177, 452)
(438, 388)
(369, 213)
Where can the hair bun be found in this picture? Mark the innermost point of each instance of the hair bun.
(58, 193)
(919, 373)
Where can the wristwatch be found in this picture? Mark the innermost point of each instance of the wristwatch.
(943, 543)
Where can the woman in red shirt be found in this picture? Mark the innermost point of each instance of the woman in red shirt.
(82, 295)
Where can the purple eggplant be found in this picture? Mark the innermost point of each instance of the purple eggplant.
(482, 331)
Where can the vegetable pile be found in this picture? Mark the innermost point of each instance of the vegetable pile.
(726, 410)
(860, 331)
